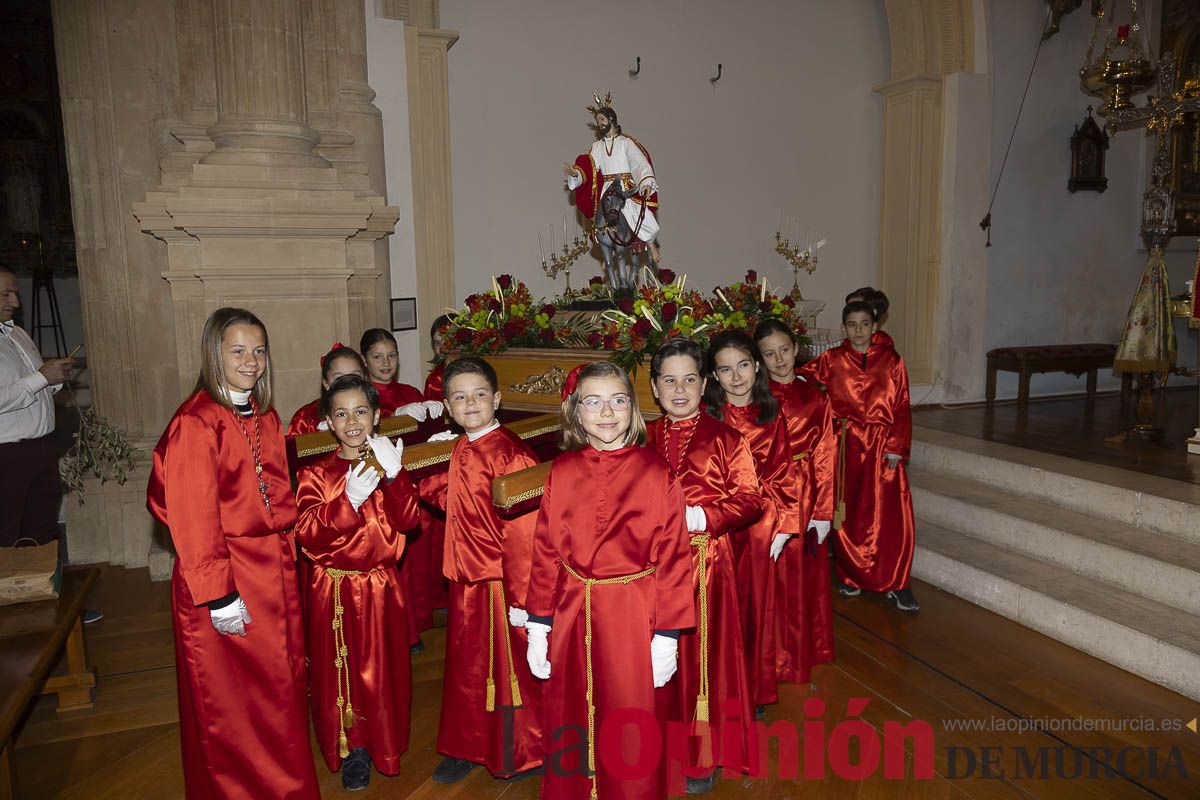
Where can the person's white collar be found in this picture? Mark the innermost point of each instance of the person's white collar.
(7, 327)
(471, 437)
(239, 398)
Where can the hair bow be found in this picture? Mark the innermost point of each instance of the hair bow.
(572, 382)
(336, 346)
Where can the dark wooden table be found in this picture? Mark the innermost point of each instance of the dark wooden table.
(32, 638)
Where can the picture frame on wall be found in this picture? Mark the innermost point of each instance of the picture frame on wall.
(404, 313)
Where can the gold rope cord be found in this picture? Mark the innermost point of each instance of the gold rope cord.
(341, 655)
(839, 509)
(701, 541)
(490, 702)
(588, 583)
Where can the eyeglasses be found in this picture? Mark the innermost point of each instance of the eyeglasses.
(618, 402)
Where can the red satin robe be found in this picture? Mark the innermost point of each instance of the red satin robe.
(757, 578)
(393, 395)
(433, 383)
(716, 470)
(374, 620)
(869, 396)
(306, 419)
(487, 561)
(243, 721)
(606, 515)
(805, 613)
(433, 523)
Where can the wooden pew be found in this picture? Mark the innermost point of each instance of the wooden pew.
(32, 637)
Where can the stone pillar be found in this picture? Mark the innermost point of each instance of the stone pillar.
(260, 86)
(433, 208)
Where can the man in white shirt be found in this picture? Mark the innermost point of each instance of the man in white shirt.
(30, 489)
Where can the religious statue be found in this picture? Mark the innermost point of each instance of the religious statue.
(615, 188)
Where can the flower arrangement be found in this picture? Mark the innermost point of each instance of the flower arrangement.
(742, 305)
(100, 450)
(507, 316)
(663, 308)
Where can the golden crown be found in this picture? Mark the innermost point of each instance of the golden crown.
(606, 102)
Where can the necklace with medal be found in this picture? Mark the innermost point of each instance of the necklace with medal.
(256, 451)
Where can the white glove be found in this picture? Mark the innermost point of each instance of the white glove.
(822, 526)
(323, 425)
(777, 545)
(434, 408)
(517, 617)
(415, 410)
(231, 619)
(361, 480)
(387, 454)
(892, 459)
(536, 651)
(664, 652)
(696, 521)
(443, 436)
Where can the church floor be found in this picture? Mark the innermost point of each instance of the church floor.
(954, 663)
(1078, 428)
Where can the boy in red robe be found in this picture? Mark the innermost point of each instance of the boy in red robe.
(715, 468)
(351, 529)
(219, 481)
(609, 592)
(868, 391)
(737, 392)
(805, 618)
(487, 687)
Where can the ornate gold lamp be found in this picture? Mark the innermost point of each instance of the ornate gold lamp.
(1122, 68)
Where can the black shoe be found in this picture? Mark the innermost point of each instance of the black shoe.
(452, 770)
(356, 770)
(846, 590)
(416, 649)
(91, 615)
(702, 785)
(760, 712)
(904, 600)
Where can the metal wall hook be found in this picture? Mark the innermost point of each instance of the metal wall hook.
(714, 80)
(633, 73)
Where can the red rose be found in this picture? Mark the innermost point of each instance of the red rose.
(596, 280)
(765, 305)
(594, 340)
(788, 301)
(462, 336)
(549, 310)
(642, 327)
(547, 335)
(494, 304)
(505, 282)
(751, 276)
(511, 330)
(669, 310)
(626, 304)
(666, 276)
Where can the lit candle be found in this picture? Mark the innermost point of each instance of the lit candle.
(541, 247)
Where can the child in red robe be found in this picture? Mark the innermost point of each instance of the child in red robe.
(219, 481)
(487, 561)
(868, 391)
(609, 592)
(805, 618)
(737, 393)
(339, 361)
(435, 379)
(720, 485)
(351, 529)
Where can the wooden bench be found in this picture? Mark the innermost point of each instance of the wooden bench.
(32, 638)
(1075, 359)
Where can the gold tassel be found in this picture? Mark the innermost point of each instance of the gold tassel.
(705, 756)
(516, 691)
(343, 745)
(702, 708)
(490, 703)
(839, 515)
(348, 717)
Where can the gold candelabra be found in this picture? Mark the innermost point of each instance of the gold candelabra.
(805, 259)
(562, 262)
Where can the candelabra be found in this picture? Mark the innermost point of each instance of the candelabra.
(562, 262)
(805, 259)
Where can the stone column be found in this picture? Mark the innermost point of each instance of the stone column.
(261, 115)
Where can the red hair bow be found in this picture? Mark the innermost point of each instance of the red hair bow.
(336, 346)
(572, 382)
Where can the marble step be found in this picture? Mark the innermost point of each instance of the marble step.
(1156, 641)
(1153, 565)
(1141, 501)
